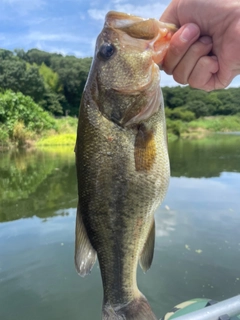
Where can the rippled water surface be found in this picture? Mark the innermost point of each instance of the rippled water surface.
(197, 250)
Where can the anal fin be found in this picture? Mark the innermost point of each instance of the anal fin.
(85, 255)
(146, 256)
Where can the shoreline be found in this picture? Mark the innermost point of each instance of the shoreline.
(59, 140)
(65, 132)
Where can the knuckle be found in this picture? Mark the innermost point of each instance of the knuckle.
(178, 77)
(165, 68)
(204, 63)
(197, 49)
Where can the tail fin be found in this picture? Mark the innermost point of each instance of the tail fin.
(137, 309)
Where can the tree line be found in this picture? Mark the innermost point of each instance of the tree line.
(55, 82)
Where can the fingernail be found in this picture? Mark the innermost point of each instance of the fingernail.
(190, 31)
(206, 40)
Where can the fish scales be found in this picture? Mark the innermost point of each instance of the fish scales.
(122, 168)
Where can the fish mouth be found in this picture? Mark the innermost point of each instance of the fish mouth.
(145, 38)
(156, 34)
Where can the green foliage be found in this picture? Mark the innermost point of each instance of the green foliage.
(36, 56)
(201, 103)
(51, 78)
(56, 83)
(175, 127)
(199, 108)
(52, 102)
(15, 75)
(180, 113)
(4, 136)
(20, 134)
(217, 124)
(67, 139)
(67, 125)
(73, 74)
(175, 97)
(64, 79)
(19, 114)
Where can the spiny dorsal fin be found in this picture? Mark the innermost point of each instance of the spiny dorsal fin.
(85, 255)
(146, 256)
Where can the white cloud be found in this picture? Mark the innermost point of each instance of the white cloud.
(146, 11)
(57, 49)
(151, 10)
(63, 37)
(97, 14)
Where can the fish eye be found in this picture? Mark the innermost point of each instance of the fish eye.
(106, 51)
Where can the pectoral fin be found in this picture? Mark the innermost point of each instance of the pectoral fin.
(146, 257)
(85, 255)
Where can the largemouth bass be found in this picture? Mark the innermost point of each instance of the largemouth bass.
(122, 160)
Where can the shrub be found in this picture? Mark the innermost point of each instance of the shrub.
(174, 127)
(19, 114)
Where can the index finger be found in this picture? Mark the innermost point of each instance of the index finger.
(179, 45)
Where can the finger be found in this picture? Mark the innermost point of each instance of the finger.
(203, 75)
(200, 48)
(179, 44)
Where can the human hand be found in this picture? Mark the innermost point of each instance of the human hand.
(206, 27)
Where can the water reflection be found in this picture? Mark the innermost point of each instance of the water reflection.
(206, 157)
(39, 182)
(36, 183)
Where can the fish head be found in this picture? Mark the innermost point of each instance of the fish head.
(125, 70)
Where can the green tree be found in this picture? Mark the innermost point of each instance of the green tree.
(182, 114)
(53, 97)
(38, 57)
(213, 103)
(199, 108)
(73, 74)
(15, 75)
(16, 108)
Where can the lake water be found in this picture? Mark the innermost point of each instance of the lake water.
(197, 250)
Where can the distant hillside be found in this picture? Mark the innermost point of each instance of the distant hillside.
(56, 82)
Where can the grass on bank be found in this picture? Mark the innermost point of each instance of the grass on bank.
(63, 135)
(217, 124)
(64, 139)
(64, 130)
(203, 126)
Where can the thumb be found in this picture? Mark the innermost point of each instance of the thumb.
(170, 14)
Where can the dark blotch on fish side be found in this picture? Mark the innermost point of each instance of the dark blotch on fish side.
(144, 149)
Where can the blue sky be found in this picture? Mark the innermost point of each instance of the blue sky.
(67, 26)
